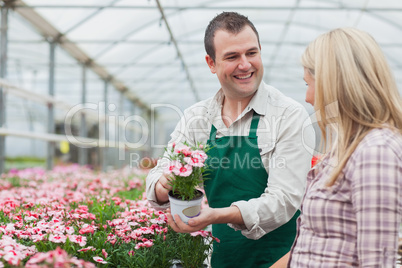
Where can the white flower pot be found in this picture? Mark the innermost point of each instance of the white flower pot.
(185, 209)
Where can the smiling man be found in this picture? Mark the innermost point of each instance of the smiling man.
(258, 162)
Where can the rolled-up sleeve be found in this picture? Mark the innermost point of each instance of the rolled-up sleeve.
(288, 164)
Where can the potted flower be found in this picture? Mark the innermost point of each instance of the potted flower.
(186, 171)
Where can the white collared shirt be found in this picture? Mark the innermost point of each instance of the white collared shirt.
(286, 141)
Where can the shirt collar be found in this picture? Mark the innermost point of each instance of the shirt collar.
(215, 105)
(258, 103)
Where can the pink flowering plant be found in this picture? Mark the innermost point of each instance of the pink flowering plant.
(75, 217)
(186, 169)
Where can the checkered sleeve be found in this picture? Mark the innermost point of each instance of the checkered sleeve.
(376, 199)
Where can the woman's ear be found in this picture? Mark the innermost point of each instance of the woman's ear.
(211, 63)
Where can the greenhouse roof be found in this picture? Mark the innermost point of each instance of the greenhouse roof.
(152, 51)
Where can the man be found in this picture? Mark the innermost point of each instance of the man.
(255, 131)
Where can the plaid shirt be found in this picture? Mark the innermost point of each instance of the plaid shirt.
(355, 222)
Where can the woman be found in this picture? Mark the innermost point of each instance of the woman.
(352, 208)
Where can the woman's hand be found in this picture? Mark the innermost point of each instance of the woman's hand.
(205, 218)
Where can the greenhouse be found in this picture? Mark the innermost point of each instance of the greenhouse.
(91, 91)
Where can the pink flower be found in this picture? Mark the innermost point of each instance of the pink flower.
(10, 227)
(173, 167)
(13, 257)
(86, 249)
(201, 233)
(38, 237)
(116, 222)
(99, 260)
(81, 263)
(196, 160)
(58, 229)
(56, 258)
(79, 239)
(75, 216)
(185, 171)
(183, 149)
(69, 230)
(30, 218)
(145, 244)
(201, 155)
(87, 229)
(83, 207)
(104, 253)
(58, 238)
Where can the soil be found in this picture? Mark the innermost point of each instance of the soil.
(198, 195)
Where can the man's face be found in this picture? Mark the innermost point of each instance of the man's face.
(238, 63)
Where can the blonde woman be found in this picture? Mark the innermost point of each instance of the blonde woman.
(352, 208)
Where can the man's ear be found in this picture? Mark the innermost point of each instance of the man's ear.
(211, 63)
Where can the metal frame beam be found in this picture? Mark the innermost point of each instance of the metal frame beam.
(343, 7)
(51, 33)
(179, 54)
(89, 17)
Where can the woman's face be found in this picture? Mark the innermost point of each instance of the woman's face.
(310, 82)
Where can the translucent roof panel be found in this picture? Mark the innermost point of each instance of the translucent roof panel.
(153, 49)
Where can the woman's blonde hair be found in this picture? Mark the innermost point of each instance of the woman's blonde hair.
(355, 91)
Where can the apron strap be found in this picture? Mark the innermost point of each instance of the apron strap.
(254, 125)
(212, 134)
(253, 128)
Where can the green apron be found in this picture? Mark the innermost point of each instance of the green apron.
(236, 172)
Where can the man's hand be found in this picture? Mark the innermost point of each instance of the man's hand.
(195, 224)
(162, 188)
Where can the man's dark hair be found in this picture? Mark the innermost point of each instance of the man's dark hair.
(231, 22)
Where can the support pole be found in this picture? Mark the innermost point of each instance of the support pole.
(134, 137)
(120, 133)
(148, 115)
(50, 118)
(83, 152)
(3, 75)
(105, 149)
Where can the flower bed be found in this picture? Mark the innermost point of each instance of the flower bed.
(74, 217)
